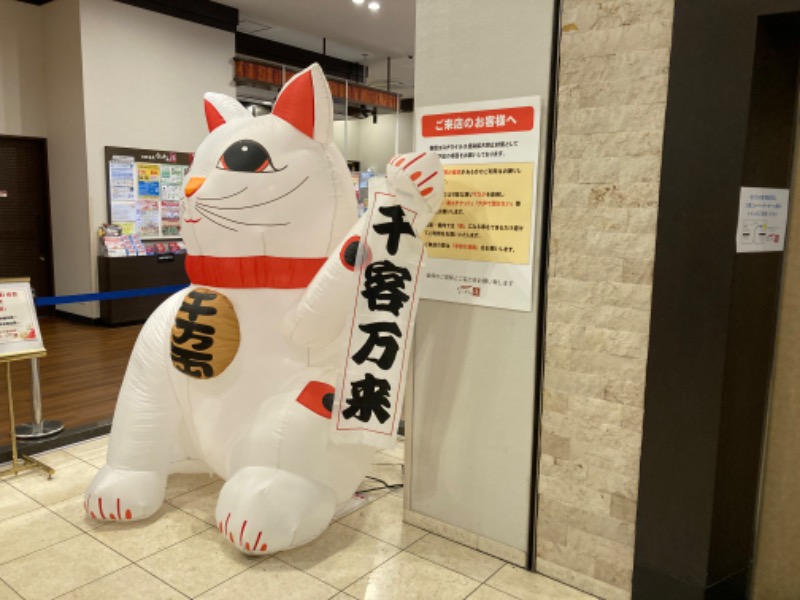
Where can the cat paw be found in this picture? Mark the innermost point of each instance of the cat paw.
(262, 510)
(419, 175)
(119, 495)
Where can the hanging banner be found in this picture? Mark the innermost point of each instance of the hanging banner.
(480, 244)
(368, 405)
(20, 336)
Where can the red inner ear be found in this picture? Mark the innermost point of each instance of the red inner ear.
(213, 118)
(295, 104)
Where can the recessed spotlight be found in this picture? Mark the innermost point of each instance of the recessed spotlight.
(373, 6)
(358, 1)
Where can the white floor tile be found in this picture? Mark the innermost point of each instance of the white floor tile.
(272, 579)
(456, 557)
(340, 556)
(6, 593)
(407, 577)
(32, 531)
(383, 519)
(525, 585)
(199, 563)
(72, 477)
(200, 503)
(13, 502)
(136, 540)
(129, 583)
(61, 568)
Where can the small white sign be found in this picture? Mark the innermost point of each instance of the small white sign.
(19, 328)
(763, 214)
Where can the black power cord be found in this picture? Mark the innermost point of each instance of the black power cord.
(386, 485)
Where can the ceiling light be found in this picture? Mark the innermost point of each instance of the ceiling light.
(358, 1)
(373, 6)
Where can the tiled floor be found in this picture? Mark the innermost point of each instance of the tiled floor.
(48, 549)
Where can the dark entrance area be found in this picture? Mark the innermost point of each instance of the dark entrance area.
(730, 124)
(25, 243)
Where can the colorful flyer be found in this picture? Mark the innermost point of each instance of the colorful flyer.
(149, 181)
(122, 181)
(170, 218)
(147, 217)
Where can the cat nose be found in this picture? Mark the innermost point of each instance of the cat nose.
(193, 185)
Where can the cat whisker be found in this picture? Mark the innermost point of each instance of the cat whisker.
(228, 219)
(205, 214)
(294, 189)
(225, 197)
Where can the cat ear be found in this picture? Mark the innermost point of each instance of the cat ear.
(305, 103)
(221, 109)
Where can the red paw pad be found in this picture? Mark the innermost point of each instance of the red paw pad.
(111, 516)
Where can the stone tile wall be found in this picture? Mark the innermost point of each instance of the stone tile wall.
(611, 104)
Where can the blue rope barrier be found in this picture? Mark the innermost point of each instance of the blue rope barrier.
(72, 299)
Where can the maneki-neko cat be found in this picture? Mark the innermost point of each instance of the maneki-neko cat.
(238, 374)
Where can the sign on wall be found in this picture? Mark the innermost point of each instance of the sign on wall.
(145, 189)
(480, 245)
(19, 327)
(763, 214)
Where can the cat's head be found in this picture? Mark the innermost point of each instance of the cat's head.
(274, 185)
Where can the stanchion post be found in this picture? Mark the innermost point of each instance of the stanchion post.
(39, 428)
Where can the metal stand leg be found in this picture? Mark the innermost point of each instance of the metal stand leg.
(27, 462)
(39, 428)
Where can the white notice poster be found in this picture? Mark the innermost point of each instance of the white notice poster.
(480, 245)
(19, 327)
(763, 213)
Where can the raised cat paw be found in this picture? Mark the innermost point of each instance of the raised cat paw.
(419, 175)
(119, 495)
(262, 510)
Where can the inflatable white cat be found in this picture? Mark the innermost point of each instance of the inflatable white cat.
(237, 373)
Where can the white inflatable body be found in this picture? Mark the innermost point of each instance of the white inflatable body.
(236, 374)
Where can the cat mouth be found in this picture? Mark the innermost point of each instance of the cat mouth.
(191, 220)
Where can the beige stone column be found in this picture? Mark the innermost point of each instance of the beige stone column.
(611, 102)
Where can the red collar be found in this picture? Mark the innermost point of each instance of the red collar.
(252, 271)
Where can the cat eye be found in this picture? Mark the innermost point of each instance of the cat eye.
(247, 156)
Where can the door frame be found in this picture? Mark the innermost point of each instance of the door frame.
(48, 239)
